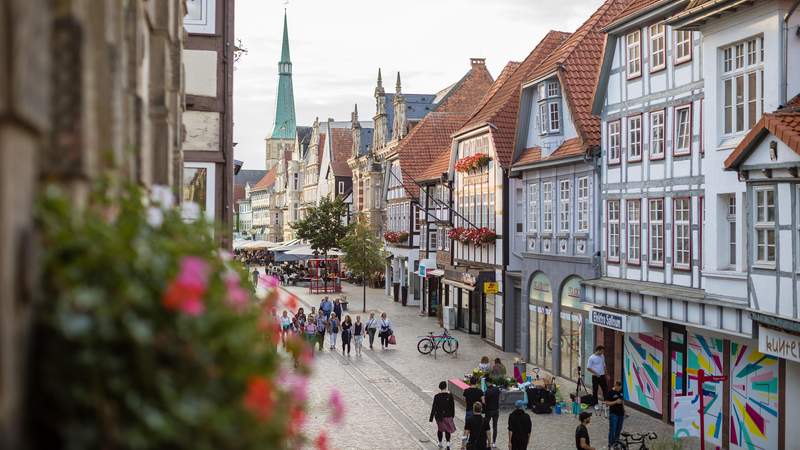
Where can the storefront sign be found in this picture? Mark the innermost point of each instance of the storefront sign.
(608, 319)
(540, 289)
(422, 270)
(461, 277)
(571, 293)
(490, 287)
(780, 344)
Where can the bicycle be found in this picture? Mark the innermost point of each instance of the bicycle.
(628, 439)
(432, 342)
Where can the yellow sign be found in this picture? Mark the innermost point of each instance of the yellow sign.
(491, 287)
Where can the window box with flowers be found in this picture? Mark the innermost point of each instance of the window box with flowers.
(475, 236)
(395, 236)
(472, 163)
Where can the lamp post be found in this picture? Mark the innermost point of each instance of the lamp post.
(702, 379)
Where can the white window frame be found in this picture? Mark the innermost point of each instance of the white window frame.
(658, 47)
(554, 117)
(553, 89)
(732, 235)
(633, 237)
(211, 177)
(677, 148)
(657, 128)
(543, 118)
(200, 17)
(765, 216)
(635, 138)
(633, 54)
(655, 211)
(613, 232)
(742, 73)
(682, 233)
(683, 46)
(533, 207)
(341, 187)
(614, 141)
(547, 207)
(583, 205)
(564, 196)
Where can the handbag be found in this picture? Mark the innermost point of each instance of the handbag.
(392, 340)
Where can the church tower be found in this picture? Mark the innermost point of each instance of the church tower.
(284, 131)
(355, 127)
(381, 120)
(399, 127)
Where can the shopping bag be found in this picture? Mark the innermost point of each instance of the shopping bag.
(392, 340)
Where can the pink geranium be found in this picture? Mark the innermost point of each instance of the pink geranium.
(293, 384)
(337, 405)
(237, 297)
(185, 292)
(269, 281)
(321, 442)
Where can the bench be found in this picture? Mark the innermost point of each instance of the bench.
(457, 388)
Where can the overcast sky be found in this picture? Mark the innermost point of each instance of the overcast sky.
(338, 45)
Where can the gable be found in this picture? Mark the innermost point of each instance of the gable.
(760, 153)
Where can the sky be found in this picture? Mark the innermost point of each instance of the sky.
(337, 47)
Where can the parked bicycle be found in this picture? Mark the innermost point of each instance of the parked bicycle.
(628, 441)
(432, 342)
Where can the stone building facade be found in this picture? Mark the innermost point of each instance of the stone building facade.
(86, 89)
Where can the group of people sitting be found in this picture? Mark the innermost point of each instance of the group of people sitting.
(260, 257)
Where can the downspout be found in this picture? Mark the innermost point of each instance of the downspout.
(593, 158)
(506, 248)
(784, 95)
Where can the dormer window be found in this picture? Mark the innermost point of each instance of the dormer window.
(549, 116)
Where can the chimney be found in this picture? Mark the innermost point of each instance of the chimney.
(477, 63)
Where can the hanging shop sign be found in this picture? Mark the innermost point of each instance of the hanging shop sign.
(491, 287)
(780, 344)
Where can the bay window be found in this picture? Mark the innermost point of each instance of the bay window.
(634, 220)
(565, 193)
(613, 142)
(683, 46)
(549, 116)
(583, 204)
(533, 207)
(657, 134)
(681, 240)
(547, 204)
(635, 138)
(633, 53)
(742, 85)
(656, 234)
(683, 130)
(765, 226)
(613, 230)
(657, 47)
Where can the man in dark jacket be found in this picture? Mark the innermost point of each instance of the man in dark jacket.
(337, 308)
(519, 427)
(492, 408)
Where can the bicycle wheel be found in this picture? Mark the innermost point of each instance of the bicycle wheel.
(450, 345)
(425, 346)
(618, 446)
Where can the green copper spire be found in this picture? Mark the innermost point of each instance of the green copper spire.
(285, 125)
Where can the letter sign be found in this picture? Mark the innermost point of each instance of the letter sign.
(608, 319)
(776, 343)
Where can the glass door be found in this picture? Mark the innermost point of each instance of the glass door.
(475, 311)
(677, 366)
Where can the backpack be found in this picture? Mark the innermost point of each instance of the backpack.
(540, 400)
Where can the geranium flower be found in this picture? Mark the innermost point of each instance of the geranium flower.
(297, 417)
(337, 407)
(292, 303)
(237, 297)
(293, 384)
(185, 292)
(269, 281)
(259, 398)
(321, 442)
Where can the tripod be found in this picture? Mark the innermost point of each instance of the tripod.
(580, 385)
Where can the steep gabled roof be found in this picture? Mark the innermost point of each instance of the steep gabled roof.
(267, 181)
(637, 8)
(577, 64)
(783, 123)
(468, 92)
(425, 143)
(248, 176)
(500, 106)
(437, 167)
(568, 149)
(341, 149)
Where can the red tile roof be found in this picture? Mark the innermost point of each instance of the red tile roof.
(501, 105)
(783, 123)
(341, 149)
(267, 181)
(569, 148)
(468, 92)
(438, 166)
(238, 192)
(577, 63)
(635, 8)
(425, 143)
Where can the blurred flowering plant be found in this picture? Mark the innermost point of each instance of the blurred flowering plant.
(395, 236)
(472, 162)
(476, 236)
(150, 337)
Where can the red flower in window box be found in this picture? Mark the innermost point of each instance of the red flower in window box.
(395, 236)
(456, 233)
(473, 162)
(475, 236)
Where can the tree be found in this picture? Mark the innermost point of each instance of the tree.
(323, 227)
(363, 254)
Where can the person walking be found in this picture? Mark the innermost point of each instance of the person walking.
(325, 307)
(358, 335)
(255, 275)
(372, 328)
(311, 332)
(519, 427)
(492, 408)
(347, 328)
(444, 411)
(386, 331)
(616, 412)
(472, 395)
(333, 330)
(597, 367)
(582, 441)
(337, 307)
(475, 429)
(322, 325)
(286, 325)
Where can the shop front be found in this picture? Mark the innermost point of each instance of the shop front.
(467, 299)
(540, 326)
(430, 297)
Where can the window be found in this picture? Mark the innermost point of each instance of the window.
(547, 219)
(613, 230)
(742, 85)
(657, 47)
(552, 89)
(656, 216)
(683, 46)
(765, 226)
(683, 130)
(657, 135)
(731, 216)
(613, 142)
(633, 53)
(341, 187)
(295, 181)
(432, 240)
(565, 193)
(533, 207)
(635, 138)
(583, 204)
(542, 118)
(681, 241)
(634, 219)
(542, 91)
(555, 122)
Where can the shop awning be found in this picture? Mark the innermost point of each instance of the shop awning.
(458, 285)
(436, 273)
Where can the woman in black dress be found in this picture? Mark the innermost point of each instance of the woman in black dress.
(347, 333)
(444, 411)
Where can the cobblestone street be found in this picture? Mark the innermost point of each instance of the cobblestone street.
(388, 394)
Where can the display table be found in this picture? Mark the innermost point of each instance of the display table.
(509, 397)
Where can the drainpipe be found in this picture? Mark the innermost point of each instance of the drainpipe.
(506, 248)
(594, 159)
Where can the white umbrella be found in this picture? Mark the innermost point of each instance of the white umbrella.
(306, 250)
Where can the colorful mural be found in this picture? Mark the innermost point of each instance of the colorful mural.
(754, 399)
(643, 363)
(677, 378)
(707, 353)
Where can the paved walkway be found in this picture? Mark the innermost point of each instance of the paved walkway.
(388, 394)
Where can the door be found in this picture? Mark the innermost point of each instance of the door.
(677, 365)
(516, 320)
(476, 313)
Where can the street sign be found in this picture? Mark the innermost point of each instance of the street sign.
(608, 319)
(491, 287)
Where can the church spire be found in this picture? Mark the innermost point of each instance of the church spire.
(397, 86)
(285, 124)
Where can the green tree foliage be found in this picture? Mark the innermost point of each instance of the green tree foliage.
(323, 226)
(363, 254)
